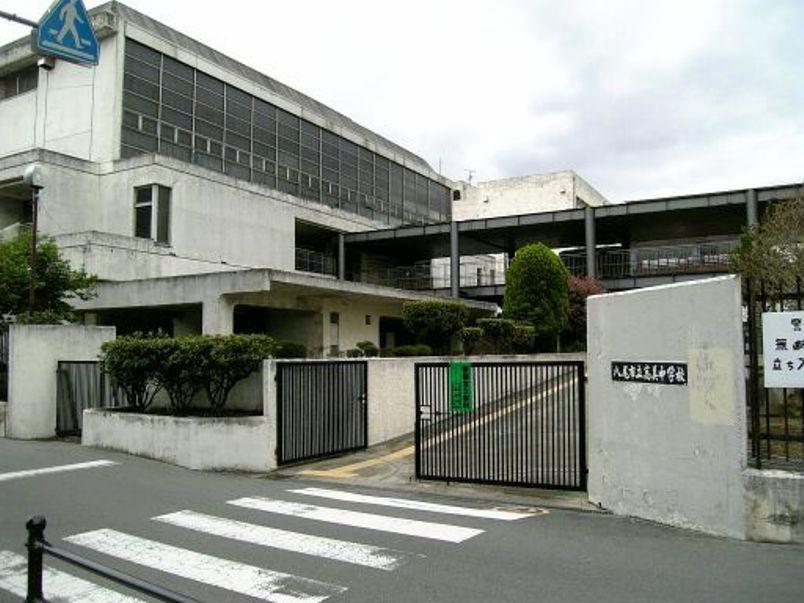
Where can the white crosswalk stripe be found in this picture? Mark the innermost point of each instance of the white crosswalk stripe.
(250, 580)
(57, 585)
(5, 477)
(257, 582)
(382, 523)
(329, 548)
(415, 505)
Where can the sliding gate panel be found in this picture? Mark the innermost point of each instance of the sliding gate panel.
(518, 424)
(321, 409)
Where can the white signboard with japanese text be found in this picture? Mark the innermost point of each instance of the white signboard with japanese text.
(783, 348)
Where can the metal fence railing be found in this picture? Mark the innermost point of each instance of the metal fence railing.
(308, 260)
(506, 423)
(428, 276)
(82, 385)
(321, 409)
(775, 415)
(38, 547)
(654, 261)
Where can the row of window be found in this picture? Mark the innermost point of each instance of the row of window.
(19, 82)
(175, 110)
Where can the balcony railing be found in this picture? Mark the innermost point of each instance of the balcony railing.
(655, 261)
(425, 276)
(308, 260)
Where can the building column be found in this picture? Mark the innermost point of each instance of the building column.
(751, 214)
(591, 242)
(217, 316)
(454, 261)
(341, 257)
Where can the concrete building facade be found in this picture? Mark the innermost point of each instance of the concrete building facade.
(208, 197)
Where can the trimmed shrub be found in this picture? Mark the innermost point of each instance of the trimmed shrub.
(290, 349)
(407, 351)
(354, 353)
(524, 339)
(536, 291)
(224, 361)
(132, 363)
(368, 348)
(498, 334)
(179, 371)
(471, 337)
(435, 322)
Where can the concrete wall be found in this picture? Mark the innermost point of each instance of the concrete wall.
(212, 444)
(89, 208)
(3, 406)
(774, 506)
(524, 195)
(667, 453)
(34, 352)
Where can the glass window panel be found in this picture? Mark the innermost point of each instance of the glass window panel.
(288, 132)
(149, 125)
(139, 140)
(141, 87)
(244, 158)
(173, 150)
(264, 110)
(238, 125)
(177, 101)
(230, 154)
(266, 179)
(264, 150)
(185, 138)
(330, 162)
(141, 52)
(310, 154)
(209, 114)
(142, 222)
(329, 138)
(212, 100)
(309, 141)
(240, 111)
(287, 159)
(142, 70)
(330, 175)
(126, 152)
(329, 149)
(177, 118)
(309, 167)
(215, 148)
(201, 144)
(140, 105)
(288, 146)
(131, 120)
(238, 96)
(209, 83)
(163, 215)
(167, 132)
(173, 67)
(171, 82)
(264, 136)
(207, 129)
(287, 119)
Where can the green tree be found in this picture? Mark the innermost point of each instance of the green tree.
(435, 323)
(773, 250)
(55, 283)
(536, 291)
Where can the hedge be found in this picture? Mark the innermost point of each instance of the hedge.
(435, 323)
(142, 365)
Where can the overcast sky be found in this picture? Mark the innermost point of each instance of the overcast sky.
(642, 98)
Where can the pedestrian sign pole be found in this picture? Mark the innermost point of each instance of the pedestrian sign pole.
(65, 31)
(461, 387)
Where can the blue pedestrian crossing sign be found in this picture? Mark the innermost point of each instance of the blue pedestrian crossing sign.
(66, 32)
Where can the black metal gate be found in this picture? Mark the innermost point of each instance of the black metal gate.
(519, 424)
(775, 415)
(3, 363)
(82, 385)
(321, 409)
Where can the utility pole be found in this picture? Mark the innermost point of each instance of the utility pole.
(471, 175)
(33, 178)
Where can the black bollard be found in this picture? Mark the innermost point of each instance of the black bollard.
(36, 538)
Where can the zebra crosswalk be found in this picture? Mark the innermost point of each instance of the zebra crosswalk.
(175, 563)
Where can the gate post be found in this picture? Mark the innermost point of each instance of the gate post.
(36, 538)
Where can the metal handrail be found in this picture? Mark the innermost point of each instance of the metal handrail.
(37, 548)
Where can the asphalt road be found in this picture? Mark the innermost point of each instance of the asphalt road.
(277, 542)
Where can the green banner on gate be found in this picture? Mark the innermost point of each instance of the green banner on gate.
(461, 387)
